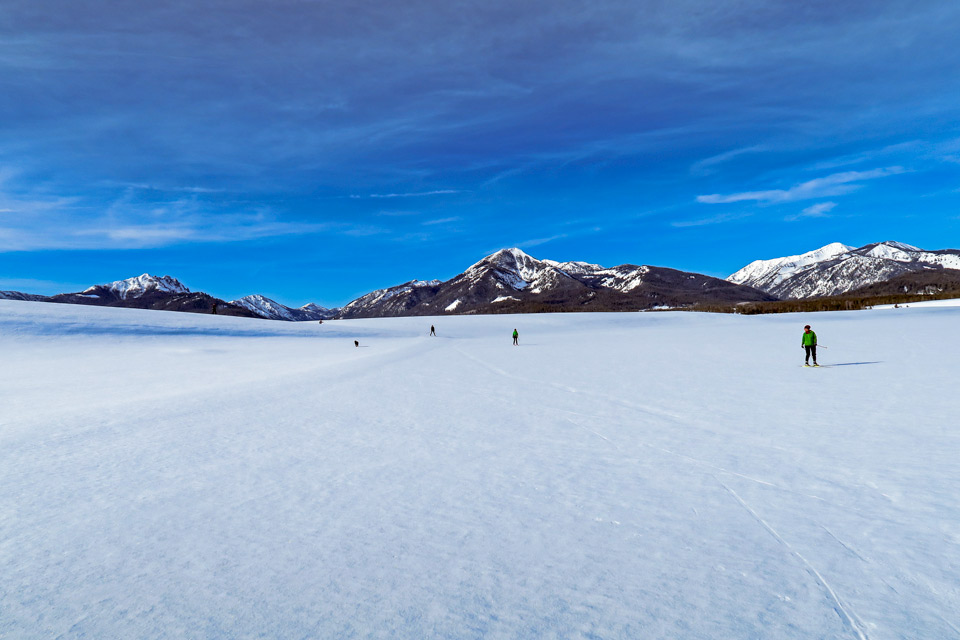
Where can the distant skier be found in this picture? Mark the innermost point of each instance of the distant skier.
(809, 344)
(214, 308)
(433, 331)
(516, 337)
(356, 343)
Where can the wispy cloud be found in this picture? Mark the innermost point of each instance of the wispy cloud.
(836, 184)
(709, 165)
(60, 223)
(59, 232)
(412, 194)
(536, 242)
(398, 214)
(872, 155)
(819, 210)
(361, 230)
(163, 188)
(442, 220)
(717, 219)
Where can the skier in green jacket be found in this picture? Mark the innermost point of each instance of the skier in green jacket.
(809, 344)
(515, 337)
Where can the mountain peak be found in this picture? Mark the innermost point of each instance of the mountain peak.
(136, 287)
(273, 310)
(903, 246)
(763, 274)
(512, 266)
(509, 259)
(834, 248)
(517, 253)
(312, 307)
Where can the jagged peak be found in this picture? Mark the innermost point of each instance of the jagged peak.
(506, 258)
(517, 253)
(140, 285)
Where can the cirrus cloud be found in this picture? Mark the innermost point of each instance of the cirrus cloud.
(836, 184)
(819, 210)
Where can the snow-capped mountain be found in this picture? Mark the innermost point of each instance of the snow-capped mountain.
(392, 301)
(140, 286)
(169, 294)
(273, 310)
(151, 292)
(767, 274)
(512, 268)
(836, 268)
(513, 281)
(321, 313)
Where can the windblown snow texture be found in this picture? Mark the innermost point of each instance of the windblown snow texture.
(660, 475)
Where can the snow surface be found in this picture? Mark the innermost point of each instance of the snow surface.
(949, 302)
(662, 475)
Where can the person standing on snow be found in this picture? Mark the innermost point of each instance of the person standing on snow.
(433, 331)
(809, 344)
(516, 336)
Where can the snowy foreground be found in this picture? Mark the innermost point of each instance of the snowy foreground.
(658, 475)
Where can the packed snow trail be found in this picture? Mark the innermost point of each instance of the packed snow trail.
(655, 475)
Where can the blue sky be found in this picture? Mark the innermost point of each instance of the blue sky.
(314, 151)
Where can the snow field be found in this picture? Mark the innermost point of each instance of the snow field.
(949, 302)
(660, 475)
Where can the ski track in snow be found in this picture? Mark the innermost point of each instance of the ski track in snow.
(844, 544)
(650, 412)
(563, 387)
(847, 615)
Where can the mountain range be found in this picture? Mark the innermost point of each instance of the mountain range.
(511, 281)
(839, 269)
(144, 292)
(169, 294)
